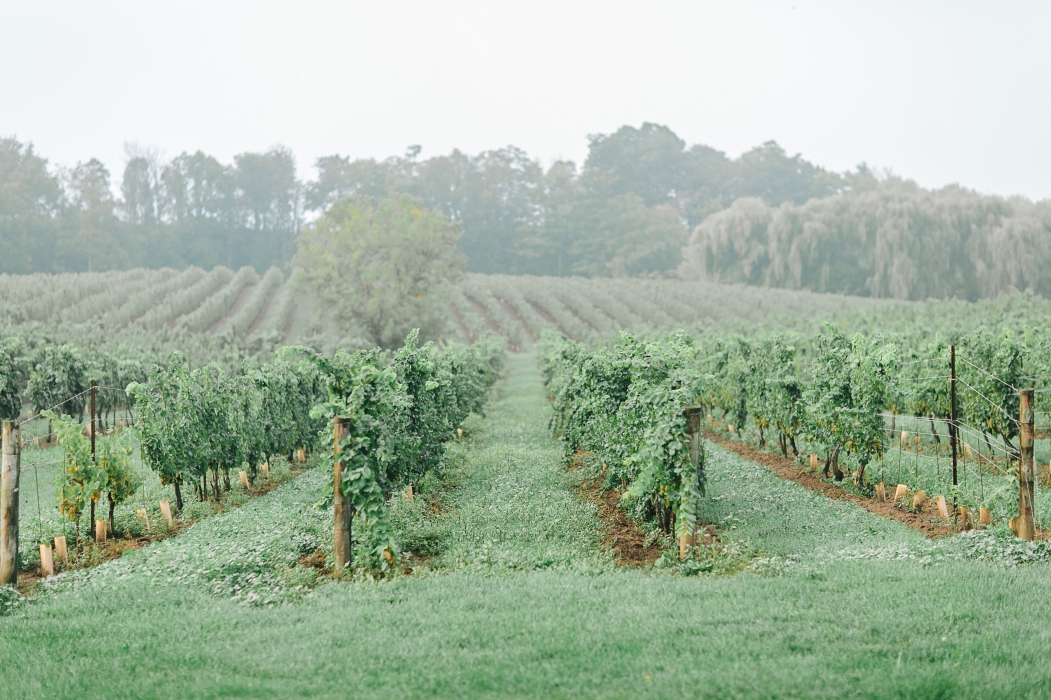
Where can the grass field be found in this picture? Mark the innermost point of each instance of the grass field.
(520, 601)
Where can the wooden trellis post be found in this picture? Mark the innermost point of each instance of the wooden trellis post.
(9, 472)
(693, 434)
(344, 512)
(693, 417)
(1026, 466)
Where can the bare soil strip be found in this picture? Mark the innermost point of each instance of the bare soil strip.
(288, 326)
(263, 311)
(233, 309)
(925, 520)
(485, 314)
(515, 315)
(581, 319)
(622, 534)
(550, 319)
(463, 326)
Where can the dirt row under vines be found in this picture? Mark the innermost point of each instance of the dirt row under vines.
(925, 520)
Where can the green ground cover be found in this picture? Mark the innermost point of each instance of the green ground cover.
(928, 466)
(519, 601)
(39, 516)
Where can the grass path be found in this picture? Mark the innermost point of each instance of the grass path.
(522, 605)
(515, 508)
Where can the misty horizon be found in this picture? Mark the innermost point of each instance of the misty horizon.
(934, 93)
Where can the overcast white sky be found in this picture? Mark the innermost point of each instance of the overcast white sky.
(939, 92)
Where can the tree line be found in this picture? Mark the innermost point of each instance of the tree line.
(642, 204)
(625, 211)
(191, 210)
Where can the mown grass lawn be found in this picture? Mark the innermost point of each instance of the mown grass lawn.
(521, 602)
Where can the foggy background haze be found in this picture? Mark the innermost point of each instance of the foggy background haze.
(937, 92)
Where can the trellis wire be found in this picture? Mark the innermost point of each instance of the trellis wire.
(991, 402)
(991, 376)
(965, 428)
(917, 379)
(60, 403)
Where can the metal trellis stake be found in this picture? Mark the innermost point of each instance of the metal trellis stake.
(93, 421)
(953, 432)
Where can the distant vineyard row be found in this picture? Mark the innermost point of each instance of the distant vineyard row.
(220, 301)
(243, 307)
(521, 307)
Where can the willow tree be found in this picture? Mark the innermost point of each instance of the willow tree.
(894, 240)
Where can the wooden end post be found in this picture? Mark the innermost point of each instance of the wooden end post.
(9, 471)
(100, 531)
(1026, 467)
(687, 539)
(244, 479)
(343, 511)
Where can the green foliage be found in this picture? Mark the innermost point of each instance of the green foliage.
(848, 394)
(385, 267)
(628, 238)
(279, 402)
(81, 480)
(398, 411)
(167, 426)
(621, 213)
(990, 397)
(114, 455)
(10, 401)
(625, 405)
(57, 380)
(888, 239)
(724, 556)
(371, 402)
(195, 421)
